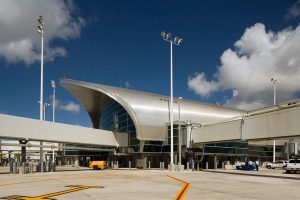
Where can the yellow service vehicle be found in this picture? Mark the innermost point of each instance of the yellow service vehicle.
(97, 164)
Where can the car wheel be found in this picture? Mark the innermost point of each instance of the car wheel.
(269, 167)
(95, 167)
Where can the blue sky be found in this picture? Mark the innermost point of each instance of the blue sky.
(118, 43)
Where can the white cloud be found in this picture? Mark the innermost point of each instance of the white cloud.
(19, 40)
(293, 11)
(70, 106)
(235, 93)
(259, 55)
(200, 85)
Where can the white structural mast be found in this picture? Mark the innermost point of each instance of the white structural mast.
(275, 82)
(177, 41)
(53, 100)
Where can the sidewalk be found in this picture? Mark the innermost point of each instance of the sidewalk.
(5, 170)
(271, 173)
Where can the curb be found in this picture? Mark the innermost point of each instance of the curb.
(259, 175)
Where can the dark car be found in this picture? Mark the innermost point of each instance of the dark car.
(248, 165)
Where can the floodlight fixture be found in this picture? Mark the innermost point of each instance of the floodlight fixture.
(180, 41)
(53, 83)
(163, 34)
(176, 40)
(41, 25)
(41, 20)
(168, 37)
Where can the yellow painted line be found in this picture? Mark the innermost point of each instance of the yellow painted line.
(47, 196)
(77, 188)
(182, 192)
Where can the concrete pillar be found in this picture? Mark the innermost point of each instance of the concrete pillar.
(149, 164)
(215, 162)
(142, 144)
(10, 164)
(14, 168)
(179, 144)
(23, 151)
(206, 165)
(9, 156)
(129, 164)
(193, 165)
(42, 164)
(23, 168)
(198, 167)
(162, 166)
(145, 162)
(187, 166)
(188, 133)
(76, 162)
(31, 168)
(42, 156)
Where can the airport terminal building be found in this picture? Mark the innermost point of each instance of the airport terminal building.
(141, 122)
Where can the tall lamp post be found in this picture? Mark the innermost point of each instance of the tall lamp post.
(177, 41)
(41, 32)
(275, 82)
(45, 104)
(53, 98)
(179, 131)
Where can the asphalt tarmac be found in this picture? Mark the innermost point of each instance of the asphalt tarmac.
(147, 184)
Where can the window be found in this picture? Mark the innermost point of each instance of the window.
(294, 161)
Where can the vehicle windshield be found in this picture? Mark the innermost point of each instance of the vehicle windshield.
(294, 161)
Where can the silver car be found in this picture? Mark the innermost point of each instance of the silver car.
(277, 164)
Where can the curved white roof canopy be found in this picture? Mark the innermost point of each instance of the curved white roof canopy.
(149, 112)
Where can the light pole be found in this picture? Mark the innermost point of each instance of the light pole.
(41, 32)
(53, 98)
(275, 82)
(179, 131)
(45, 104)
(167, 37)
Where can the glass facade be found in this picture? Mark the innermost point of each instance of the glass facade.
(115, 118)
(227, 148)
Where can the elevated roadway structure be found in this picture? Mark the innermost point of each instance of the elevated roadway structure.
(275, 122)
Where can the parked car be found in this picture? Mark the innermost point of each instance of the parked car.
(293, 166)
(248, 165)
(277, 164)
